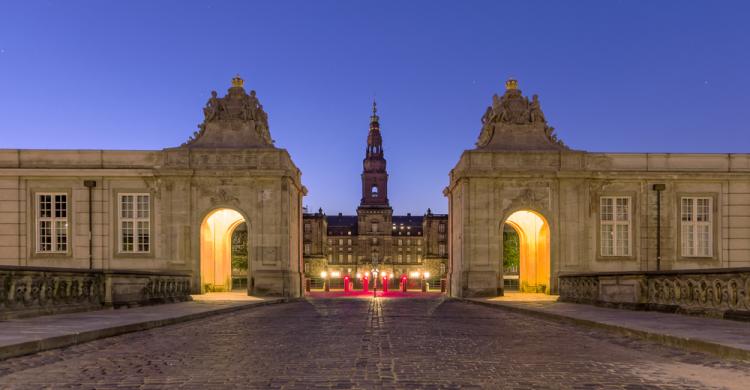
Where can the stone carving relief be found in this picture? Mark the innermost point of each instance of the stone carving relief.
(33, 291)
(714, 294)
(166, 289)
(224, 197)
(536, 199)
(579, 289)
(235, 120)
(513, 122)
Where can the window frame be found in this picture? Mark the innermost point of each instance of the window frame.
(118, 224)
(713, 224)
(630, 223)
(52, 219)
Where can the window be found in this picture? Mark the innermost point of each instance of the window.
(400, 258)
(341, 257)
(696, 230)
(374, 241)
(615, 226)
(307, 228)
(441, 249)
(135, 223)
(349, 258)
(52, 223)
(442, 268)
(374, 191)
(374, 227)
(349, 241)
(341, 241)
(408, 258)
(400, 242)
(441, 228)
(307, 248)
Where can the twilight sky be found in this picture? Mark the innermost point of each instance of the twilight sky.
(615, 76)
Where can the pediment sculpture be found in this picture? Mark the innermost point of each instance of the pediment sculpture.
(236, 120)
(513, 122)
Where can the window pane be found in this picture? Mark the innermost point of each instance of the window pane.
(45, 236)
(126, 206)
(45, 206)
(126, 230)
(143, 236)
(687, 209)
(61, 206)
(687, 240)
(61, 236)
(704, 242)
(702, 210)
(143, 206)
(607, 240)
(623, 240)
(606, 209)
(623, 209)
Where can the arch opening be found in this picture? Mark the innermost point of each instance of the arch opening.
(221, 242)
(528, 268)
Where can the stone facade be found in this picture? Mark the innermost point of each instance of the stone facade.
(399, 244)
(145, 209)
(520, 164)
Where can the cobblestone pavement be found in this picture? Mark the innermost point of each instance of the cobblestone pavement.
(365, 343)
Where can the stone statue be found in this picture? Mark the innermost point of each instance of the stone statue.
(535, 111)
(213, 106)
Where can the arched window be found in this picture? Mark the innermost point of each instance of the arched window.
(374, 191)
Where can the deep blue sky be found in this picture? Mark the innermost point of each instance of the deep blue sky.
(629, 76)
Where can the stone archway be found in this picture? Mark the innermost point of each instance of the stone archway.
(534, 250)
(216, 249)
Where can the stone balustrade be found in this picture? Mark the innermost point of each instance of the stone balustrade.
(723, 293)
(31, 291)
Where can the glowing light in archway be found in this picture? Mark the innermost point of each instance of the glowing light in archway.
(216, 249)
(533, 234)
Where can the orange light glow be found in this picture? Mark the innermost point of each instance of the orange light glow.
(533, 234)
(216, 249)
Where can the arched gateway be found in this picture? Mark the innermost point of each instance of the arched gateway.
(526, 258)
(216, 264)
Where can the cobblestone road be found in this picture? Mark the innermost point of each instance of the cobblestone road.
(365, 343)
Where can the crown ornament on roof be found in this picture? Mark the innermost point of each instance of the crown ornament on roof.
(513, 122)
(237, 81)
(511, 84)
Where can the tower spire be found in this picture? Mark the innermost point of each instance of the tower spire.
(374, 117)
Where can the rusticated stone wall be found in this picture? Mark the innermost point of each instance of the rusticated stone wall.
(32, 291)
(723, 293)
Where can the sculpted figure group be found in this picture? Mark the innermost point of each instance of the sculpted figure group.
(236, 105)
(514, 109)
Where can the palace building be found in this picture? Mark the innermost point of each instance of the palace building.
(82, 228)
(375, 238)
(663, 229)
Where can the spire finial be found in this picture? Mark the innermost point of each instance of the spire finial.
(237, 81)
(374, 117)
